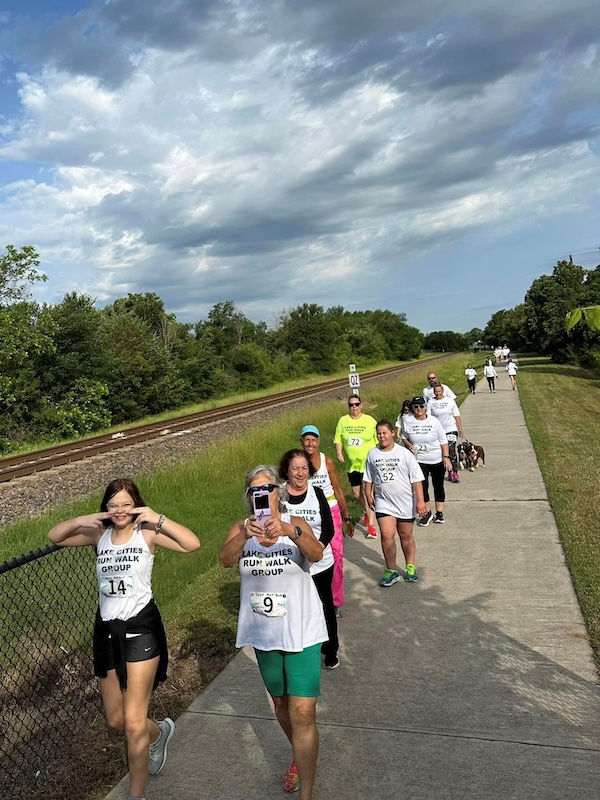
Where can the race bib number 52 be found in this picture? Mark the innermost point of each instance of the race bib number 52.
(269, 604)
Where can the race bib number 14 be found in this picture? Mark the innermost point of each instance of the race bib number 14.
(118, 586)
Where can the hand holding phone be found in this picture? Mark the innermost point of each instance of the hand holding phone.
(262, 506)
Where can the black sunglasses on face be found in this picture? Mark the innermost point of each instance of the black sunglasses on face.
(266, 487)
(353, 405)
(418, 405)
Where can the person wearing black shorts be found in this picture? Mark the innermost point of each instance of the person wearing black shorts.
(130, 646)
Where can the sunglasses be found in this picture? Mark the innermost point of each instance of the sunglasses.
(266, 487)
(418, 405)
(353, 405)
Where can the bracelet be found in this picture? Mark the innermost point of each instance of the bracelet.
(159, 524)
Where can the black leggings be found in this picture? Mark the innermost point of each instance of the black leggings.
(437, 473)
(492, 383)
(323, 582)
(472, 383)
(452, 451)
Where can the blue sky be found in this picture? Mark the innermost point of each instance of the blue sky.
(430, 158)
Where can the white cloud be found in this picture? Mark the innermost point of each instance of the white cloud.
(205, 179)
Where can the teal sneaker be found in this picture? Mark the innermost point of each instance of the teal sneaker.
(410, 575)
(390, 577)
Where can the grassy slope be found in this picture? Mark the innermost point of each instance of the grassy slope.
(561, 404)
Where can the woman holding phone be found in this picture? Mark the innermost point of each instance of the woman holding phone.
(130, 645)
(281, 615)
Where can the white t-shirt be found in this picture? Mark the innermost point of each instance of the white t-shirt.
(471, 373)
(393, 472)
(511, 368)
(427, 437)
(490, 372)
(124, 575)
(400, 421)
(428, 392)
(280, 608)
(445, 410)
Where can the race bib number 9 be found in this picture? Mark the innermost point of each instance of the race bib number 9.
(269, 604)
(355, 441)
(118, 586)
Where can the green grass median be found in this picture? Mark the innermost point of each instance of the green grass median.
(560, 403)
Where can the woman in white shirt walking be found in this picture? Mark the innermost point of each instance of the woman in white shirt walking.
(471, 378)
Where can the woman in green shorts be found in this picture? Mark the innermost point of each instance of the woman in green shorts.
(281, 615)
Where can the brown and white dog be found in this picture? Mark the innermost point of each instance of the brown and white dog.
(470, 456)
(477, 456)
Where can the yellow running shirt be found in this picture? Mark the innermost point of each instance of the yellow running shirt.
(357, 437)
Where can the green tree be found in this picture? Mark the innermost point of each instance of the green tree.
(26, 340)
(310, 328)
(17, 272)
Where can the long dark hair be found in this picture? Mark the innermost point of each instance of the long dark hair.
(119, 485)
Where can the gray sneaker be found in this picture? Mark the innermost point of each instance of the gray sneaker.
(158, 749)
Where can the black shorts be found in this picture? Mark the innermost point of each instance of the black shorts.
(137, 648)
(355, 478)
(379, 515)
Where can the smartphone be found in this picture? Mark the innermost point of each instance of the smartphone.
(262, 506)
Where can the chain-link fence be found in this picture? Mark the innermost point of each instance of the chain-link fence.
(48, 600)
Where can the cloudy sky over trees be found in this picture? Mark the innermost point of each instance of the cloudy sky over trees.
(432, 158)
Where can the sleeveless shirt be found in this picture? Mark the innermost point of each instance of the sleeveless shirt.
(310, 512)
(124, 575)
(322, 480)
(280, 608)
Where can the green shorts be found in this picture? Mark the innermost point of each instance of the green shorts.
(298, 674)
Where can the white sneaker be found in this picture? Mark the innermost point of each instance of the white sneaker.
(158, 749)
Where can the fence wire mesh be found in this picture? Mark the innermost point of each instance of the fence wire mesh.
(48, 600)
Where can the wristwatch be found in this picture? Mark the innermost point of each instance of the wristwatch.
(299, 532)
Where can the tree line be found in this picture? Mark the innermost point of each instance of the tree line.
(543, 322)
(71, 368)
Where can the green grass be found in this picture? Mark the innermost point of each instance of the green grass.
(561, 403)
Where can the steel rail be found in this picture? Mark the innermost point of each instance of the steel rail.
(37, 461)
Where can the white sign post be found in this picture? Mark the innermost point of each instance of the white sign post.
(354, 381)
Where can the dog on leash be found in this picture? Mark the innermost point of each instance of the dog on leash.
(463, 453)
(477, 455)
(470, 456)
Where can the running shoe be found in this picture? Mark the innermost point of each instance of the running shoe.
(365, 520)
(454, 477)
(439, 518)
(291, 779)
(371, 532)
(332, 662)
(158, 749)
(423, 522)
(410, 576)
(390, 577)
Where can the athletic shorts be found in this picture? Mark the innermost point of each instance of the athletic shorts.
(137, 648)
(298, 674)
(379, 515)
(355, 478)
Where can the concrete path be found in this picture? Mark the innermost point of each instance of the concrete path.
(475, 683)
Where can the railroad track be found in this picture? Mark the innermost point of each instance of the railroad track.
(40, 460)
